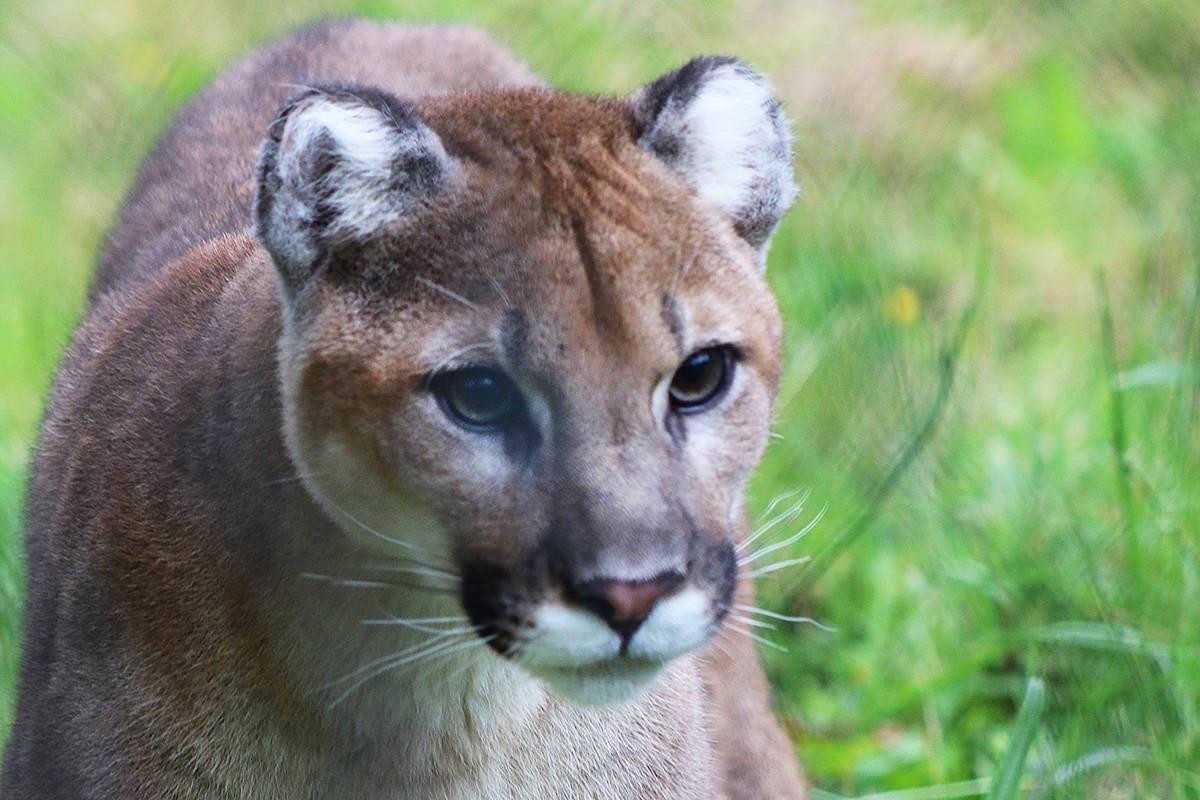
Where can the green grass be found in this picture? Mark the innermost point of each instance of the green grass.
(992, 285)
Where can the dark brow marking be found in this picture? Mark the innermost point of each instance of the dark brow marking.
(592, 268)
(674, 320)
(513, 336)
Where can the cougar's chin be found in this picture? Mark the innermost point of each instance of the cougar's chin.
(602, 683)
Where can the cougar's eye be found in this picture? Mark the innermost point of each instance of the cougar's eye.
(477, 398)
(701, 379)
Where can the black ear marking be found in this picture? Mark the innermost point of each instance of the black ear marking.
(339, 164)
(676, 88)
(716, 124)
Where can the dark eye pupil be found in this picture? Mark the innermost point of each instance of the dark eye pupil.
(699, 379)
(478, 396)
(695, 374)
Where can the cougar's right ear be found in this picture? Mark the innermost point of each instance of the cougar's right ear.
(339, 164)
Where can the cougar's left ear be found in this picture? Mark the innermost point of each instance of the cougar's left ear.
(716, 124)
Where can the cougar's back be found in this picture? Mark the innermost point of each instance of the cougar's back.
(198, 183)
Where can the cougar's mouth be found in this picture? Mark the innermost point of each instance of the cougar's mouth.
(600, 643)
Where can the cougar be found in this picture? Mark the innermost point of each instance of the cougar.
(402, 450)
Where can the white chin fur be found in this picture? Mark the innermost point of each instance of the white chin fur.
(601, 684)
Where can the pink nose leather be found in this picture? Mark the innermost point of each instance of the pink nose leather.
(624, 605)
(633, 599)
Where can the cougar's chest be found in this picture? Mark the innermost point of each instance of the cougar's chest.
(654, 747)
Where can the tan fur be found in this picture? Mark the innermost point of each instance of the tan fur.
(219, 458)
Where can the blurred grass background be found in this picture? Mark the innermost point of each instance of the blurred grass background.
(992, 287)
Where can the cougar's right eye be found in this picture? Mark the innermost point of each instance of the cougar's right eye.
(477, 398)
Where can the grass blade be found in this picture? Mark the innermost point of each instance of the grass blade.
(1008, 780)
(944, 791)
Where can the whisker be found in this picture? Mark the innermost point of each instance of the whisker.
(459, 353)
(754, 623)
(771, 548)
(433, 640)
(370, 530)
(416, 626)
(791, 513)
(415, 621)
(416, 569)
(390, 539)
(292, 478)
(356, 583)
(500, 291)
(437, 649)
(465, 662)
(348, 582)
(437, 287)
(380, 666)
(775, 501)
(784, 617)
(757, 638)
(778, 565)
(302, 86)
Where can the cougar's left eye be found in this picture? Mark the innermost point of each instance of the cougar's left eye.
(478, 398)
(700, 379)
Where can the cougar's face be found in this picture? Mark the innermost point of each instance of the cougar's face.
(547, 386)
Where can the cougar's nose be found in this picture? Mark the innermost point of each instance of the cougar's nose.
(624, 605)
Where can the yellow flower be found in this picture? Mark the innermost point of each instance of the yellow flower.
(902, 305)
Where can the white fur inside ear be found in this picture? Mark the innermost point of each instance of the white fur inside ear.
(362, 186)
(716, 124)
(731, 133)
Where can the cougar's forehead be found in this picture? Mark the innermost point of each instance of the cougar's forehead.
(577, 243)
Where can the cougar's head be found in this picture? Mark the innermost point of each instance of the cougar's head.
(528, 342)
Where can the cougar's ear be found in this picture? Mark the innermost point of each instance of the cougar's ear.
(716, 124)
(339, 164)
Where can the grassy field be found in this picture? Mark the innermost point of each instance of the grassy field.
(992, 283)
